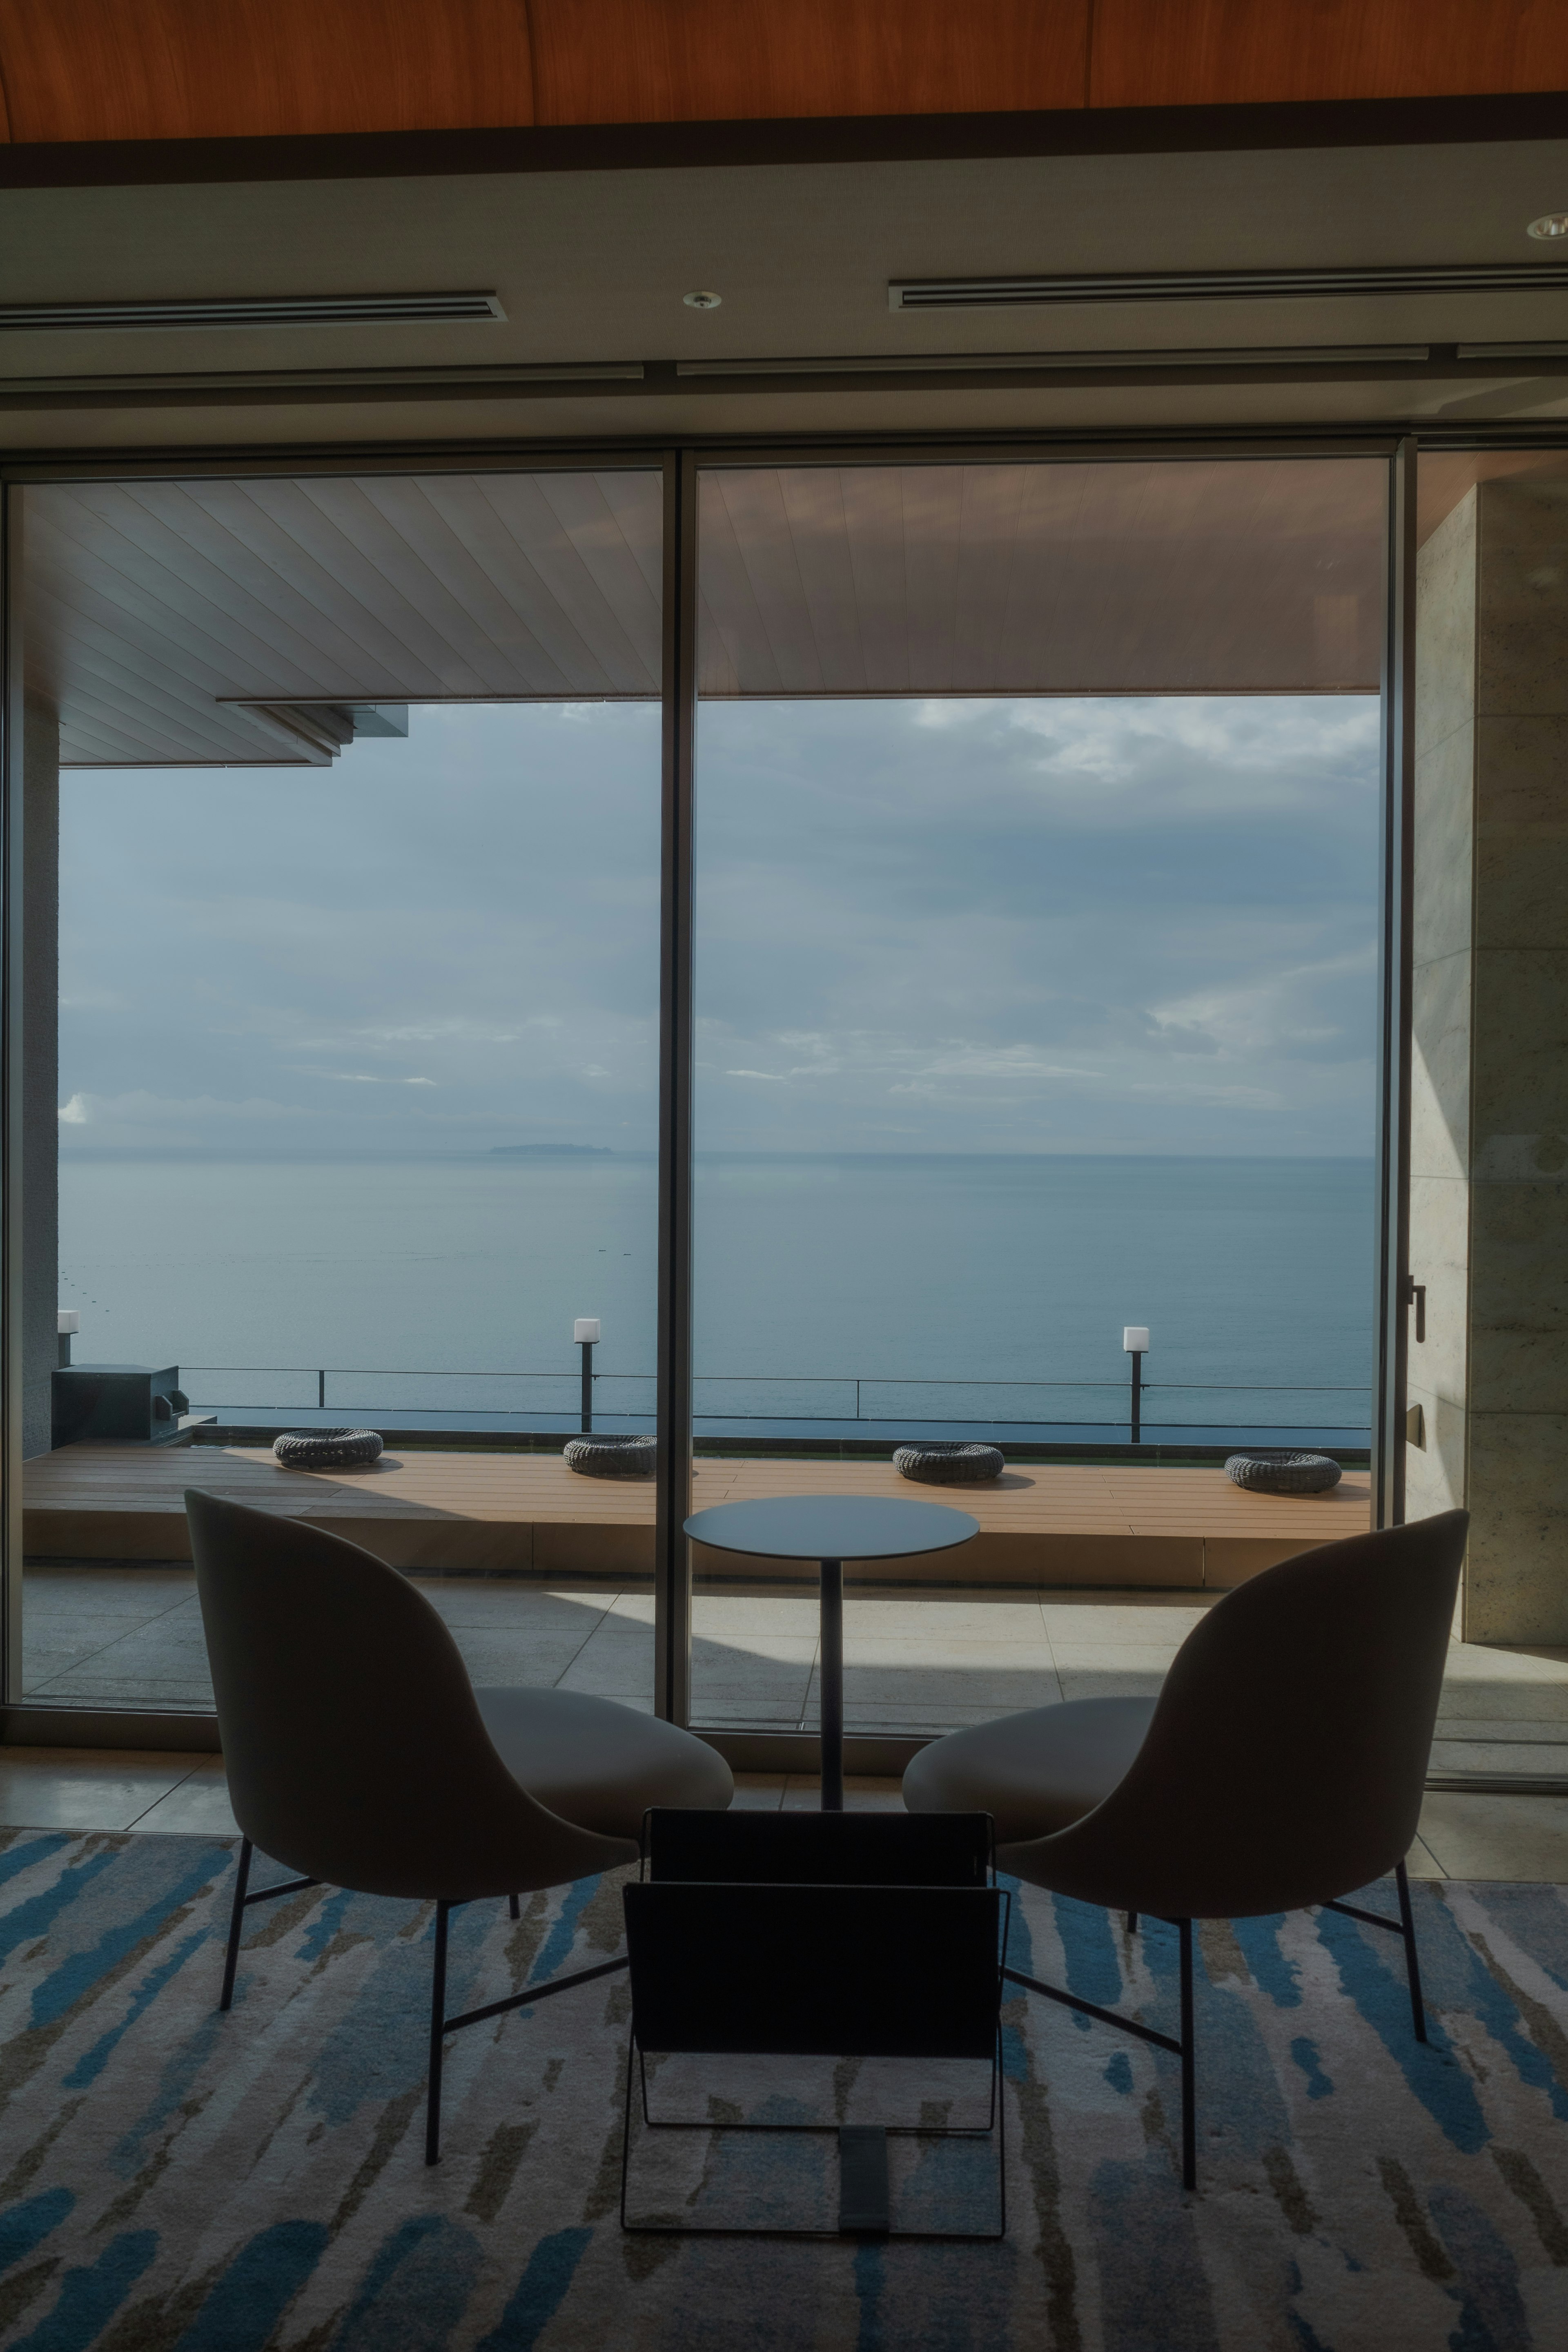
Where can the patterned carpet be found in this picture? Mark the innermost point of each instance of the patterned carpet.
(177, 2179)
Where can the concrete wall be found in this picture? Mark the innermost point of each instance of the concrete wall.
(1489, 1103)
(40, 1067)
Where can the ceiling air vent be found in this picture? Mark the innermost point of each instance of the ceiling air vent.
(260, 310)
(1222, 285)
(1274, 355)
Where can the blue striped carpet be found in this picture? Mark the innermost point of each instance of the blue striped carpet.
(175, 2179)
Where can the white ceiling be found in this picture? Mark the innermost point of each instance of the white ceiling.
(592, 265)
(153, 601)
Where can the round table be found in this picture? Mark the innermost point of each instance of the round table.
(829, 1530)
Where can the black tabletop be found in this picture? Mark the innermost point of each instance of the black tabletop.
(831, 1527)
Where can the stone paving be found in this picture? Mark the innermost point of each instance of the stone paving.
(132, 1637)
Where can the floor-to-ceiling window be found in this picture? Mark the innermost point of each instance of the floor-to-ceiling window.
(1037, 954)
(1035, 894)
(358, 788)
(1036, 938)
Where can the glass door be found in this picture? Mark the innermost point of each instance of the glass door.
(1038, 812)
(346, 793)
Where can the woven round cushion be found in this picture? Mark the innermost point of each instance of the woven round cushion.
(327, 1449)
(612, 1457)
(948, 1462)
(1279, 1472)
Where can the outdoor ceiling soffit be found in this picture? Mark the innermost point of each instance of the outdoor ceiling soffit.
(270, 619)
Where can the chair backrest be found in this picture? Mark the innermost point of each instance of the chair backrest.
(1286, 1756)
(355, 1749)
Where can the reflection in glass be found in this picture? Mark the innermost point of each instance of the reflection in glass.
(1036, 960)
(357, 1087)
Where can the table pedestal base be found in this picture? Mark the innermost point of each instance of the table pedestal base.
(831, 1685)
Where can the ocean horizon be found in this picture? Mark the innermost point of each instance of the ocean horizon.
(955, 1288)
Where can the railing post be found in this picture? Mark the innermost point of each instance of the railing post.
(321, 1391)
(1135, 1340)
(585, 1331)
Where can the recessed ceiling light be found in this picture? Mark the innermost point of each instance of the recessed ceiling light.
(1549, 227)
(712, 301)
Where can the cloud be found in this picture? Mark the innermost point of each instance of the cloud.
(139, 1120)
(951, 924)
(360, 1077)
(427, 1032)
(1305, 1011)
(100, 1110)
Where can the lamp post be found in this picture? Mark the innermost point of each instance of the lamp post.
(585, 1331)
(1135, 1341)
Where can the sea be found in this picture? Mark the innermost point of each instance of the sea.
(836, 1295)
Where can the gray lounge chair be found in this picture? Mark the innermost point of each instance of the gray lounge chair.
(360, 1754)
(1281, 1765)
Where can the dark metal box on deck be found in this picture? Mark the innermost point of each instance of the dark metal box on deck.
(117, 1401)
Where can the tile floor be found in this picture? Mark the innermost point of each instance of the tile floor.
(99, 1788)
(132, 1636)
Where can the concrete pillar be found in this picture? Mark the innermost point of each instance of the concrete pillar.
(40, 1065)
(1489, 1206)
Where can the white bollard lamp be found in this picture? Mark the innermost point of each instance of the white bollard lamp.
(1135, 1342)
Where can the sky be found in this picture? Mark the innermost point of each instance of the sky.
(1087, 926)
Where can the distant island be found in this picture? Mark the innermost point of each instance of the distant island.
(551, 1150)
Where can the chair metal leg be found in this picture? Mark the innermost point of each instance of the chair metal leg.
(1405, 1928)
(1188, 2087)
(517, 1906)
(1412, 1964)
(437, 2031)
(1181, 2047)
(237, 1921)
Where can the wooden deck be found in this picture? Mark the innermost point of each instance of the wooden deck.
(477, 1513)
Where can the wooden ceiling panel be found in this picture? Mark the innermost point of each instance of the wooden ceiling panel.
(170, 69)
(1259, 576)
(261, 69)
(733, 60)
(1257, 52)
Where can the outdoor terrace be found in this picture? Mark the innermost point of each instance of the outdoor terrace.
(526, 1514)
